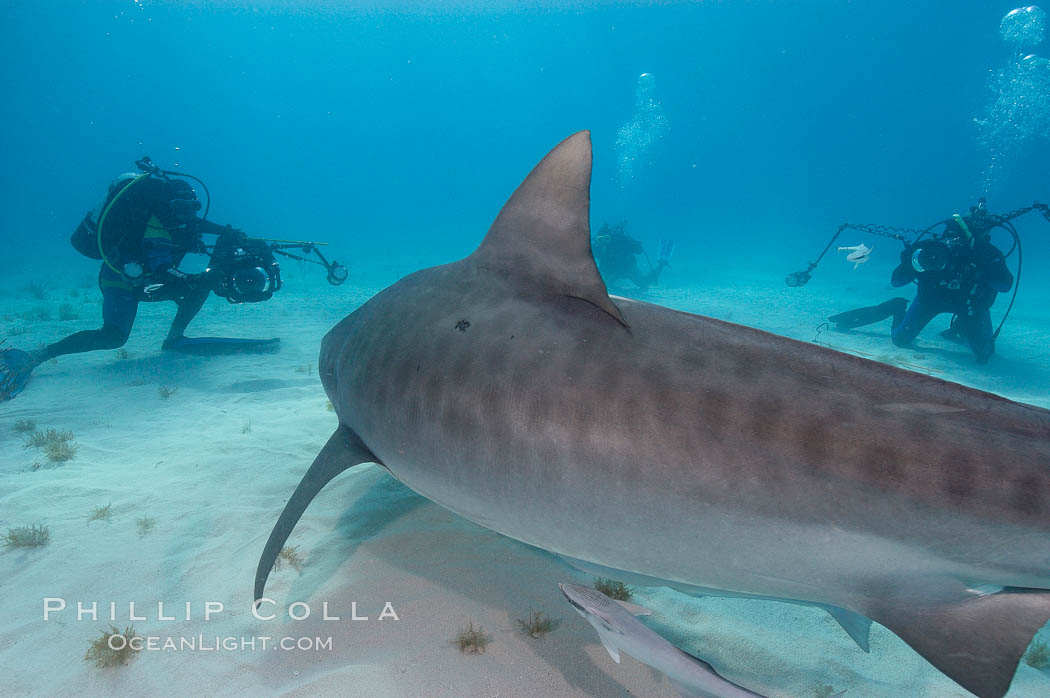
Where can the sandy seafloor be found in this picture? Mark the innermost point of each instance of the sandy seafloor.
(215, 462)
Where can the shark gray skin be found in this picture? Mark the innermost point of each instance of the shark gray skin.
(619, 630)
(511, 389)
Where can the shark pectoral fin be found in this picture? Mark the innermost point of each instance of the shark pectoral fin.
(634, 609)
(976, 642)
(609, 645)
(343, 450)
(542, 237)
(856, 626)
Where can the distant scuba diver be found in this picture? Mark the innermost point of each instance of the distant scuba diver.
(615, 252)
(960, 272)
(141, 230)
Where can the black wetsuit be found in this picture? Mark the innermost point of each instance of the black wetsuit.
(144, 229)
(966, 287)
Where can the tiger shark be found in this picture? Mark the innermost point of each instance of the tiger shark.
(510, 388)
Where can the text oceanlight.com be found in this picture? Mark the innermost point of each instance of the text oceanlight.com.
(202, 643)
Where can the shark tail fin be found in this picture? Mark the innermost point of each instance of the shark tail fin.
(977, 642)
(343, 450)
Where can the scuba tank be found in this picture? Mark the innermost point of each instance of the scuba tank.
(85, 237)
(113, 229)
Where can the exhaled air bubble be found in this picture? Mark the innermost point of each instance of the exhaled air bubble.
(647, 125)
(1020, 112)
(1023, 27)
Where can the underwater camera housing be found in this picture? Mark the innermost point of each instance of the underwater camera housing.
(943, 252)
(933, 256)
(246, 269)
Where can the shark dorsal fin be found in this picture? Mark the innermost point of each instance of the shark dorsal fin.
(542, 236)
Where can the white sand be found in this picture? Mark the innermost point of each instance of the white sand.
(215, 488)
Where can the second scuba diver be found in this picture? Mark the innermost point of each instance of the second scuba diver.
(615, 252)
(959, 272)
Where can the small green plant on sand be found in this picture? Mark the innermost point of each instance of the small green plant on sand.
(145, 525)
(101, 514)
(24, 426)
(67, 312)
(289, 555)
(329, 406)
(121, 354)
(1038, 655)
(823, 691)
(166, 391)
(247, 428)
(471, 641)
(60, 451)
(113, 648)
(537, 624)
(305, 368)
(617, 591)
(27, 537)
(37, 289)
(40, 439)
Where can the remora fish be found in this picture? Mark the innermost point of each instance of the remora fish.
(511, 389)
(619, 631)
(858, 254)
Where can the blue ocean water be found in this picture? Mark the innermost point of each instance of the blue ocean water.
(393, 128)
(395, 131)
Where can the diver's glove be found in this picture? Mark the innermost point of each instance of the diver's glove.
(168, 283)
(906, 254)
(172, 277)
(981, 296)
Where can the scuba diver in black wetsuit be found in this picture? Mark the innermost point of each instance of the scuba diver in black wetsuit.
(615, 252)
(960, 272)
(141, 231)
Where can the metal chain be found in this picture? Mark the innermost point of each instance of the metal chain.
(1002, 218)
(904, 234)
(887, 231)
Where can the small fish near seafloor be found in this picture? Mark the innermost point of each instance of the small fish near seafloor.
(510, 388)
(858, 254)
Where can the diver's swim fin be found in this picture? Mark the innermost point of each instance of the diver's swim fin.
(894, 307)
(16, 366)
(666, 248)
(214, 346)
